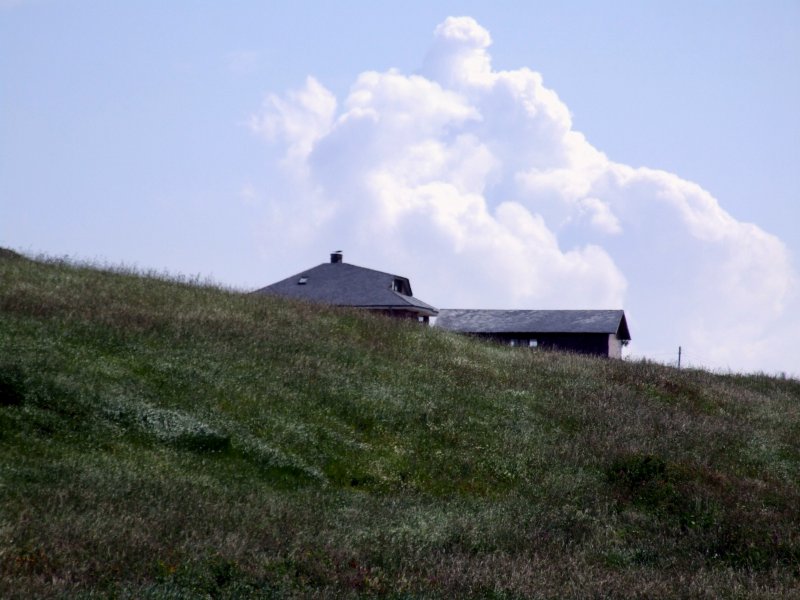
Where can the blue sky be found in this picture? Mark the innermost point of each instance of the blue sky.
(160, 137)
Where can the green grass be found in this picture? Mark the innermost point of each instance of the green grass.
(166, 439)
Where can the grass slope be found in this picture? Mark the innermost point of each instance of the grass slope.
(166, 440)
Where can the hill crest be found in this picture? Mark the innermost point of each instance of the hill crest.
(160, 438)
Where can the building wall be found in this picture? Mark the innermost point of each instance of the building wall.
(614, 346)
(403, 314)
(597, 344)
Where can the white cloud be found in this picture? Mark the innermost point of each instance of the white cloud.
(299, 120)
(459, 56)
(473, 183)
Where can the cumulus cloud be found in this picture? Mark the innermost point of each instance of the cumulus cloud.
(299, 120)
(473, 182)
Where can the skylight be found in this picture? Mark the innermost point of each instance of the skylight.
(303, 280)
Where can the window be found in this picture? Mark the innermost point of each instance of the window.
(399, 286)
(303, 280)
(522, 343)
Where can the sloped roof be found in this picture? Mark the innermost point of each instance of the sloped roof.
(534, 321)
(343, 284)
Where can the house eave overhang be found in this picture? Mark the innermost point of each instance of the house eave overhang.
(424, 312)
(623, 333)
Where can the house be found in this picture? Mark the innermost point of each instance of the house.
(598, 332)
(342, 284)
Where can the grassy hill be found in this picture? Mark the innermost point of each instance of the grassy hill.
(160, 439)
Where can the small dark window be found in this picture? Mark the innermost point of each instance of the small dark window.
(398, 285)
(530, 343)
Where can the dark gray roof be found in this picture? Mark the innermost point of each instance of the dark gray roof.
(534, 321)
(343, 284)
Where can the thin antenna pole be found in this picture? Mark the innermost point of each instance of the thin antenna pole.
(679, 357)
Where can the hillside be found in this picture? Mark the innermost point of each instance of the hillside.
(160, 439)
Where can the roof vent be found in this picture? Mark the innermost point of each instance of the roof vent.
(303, 280)
(336, 257)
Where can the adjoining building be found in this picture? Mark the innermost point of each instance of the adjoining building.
(597, 332)
(342, 284)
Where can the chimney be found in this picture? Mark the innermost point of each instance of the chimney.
(336, 257)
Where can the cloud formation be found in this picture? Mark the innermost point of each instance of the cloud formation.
(474, 183)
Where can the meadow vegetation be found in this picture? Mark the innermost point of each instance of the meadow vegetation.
(167, 439)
